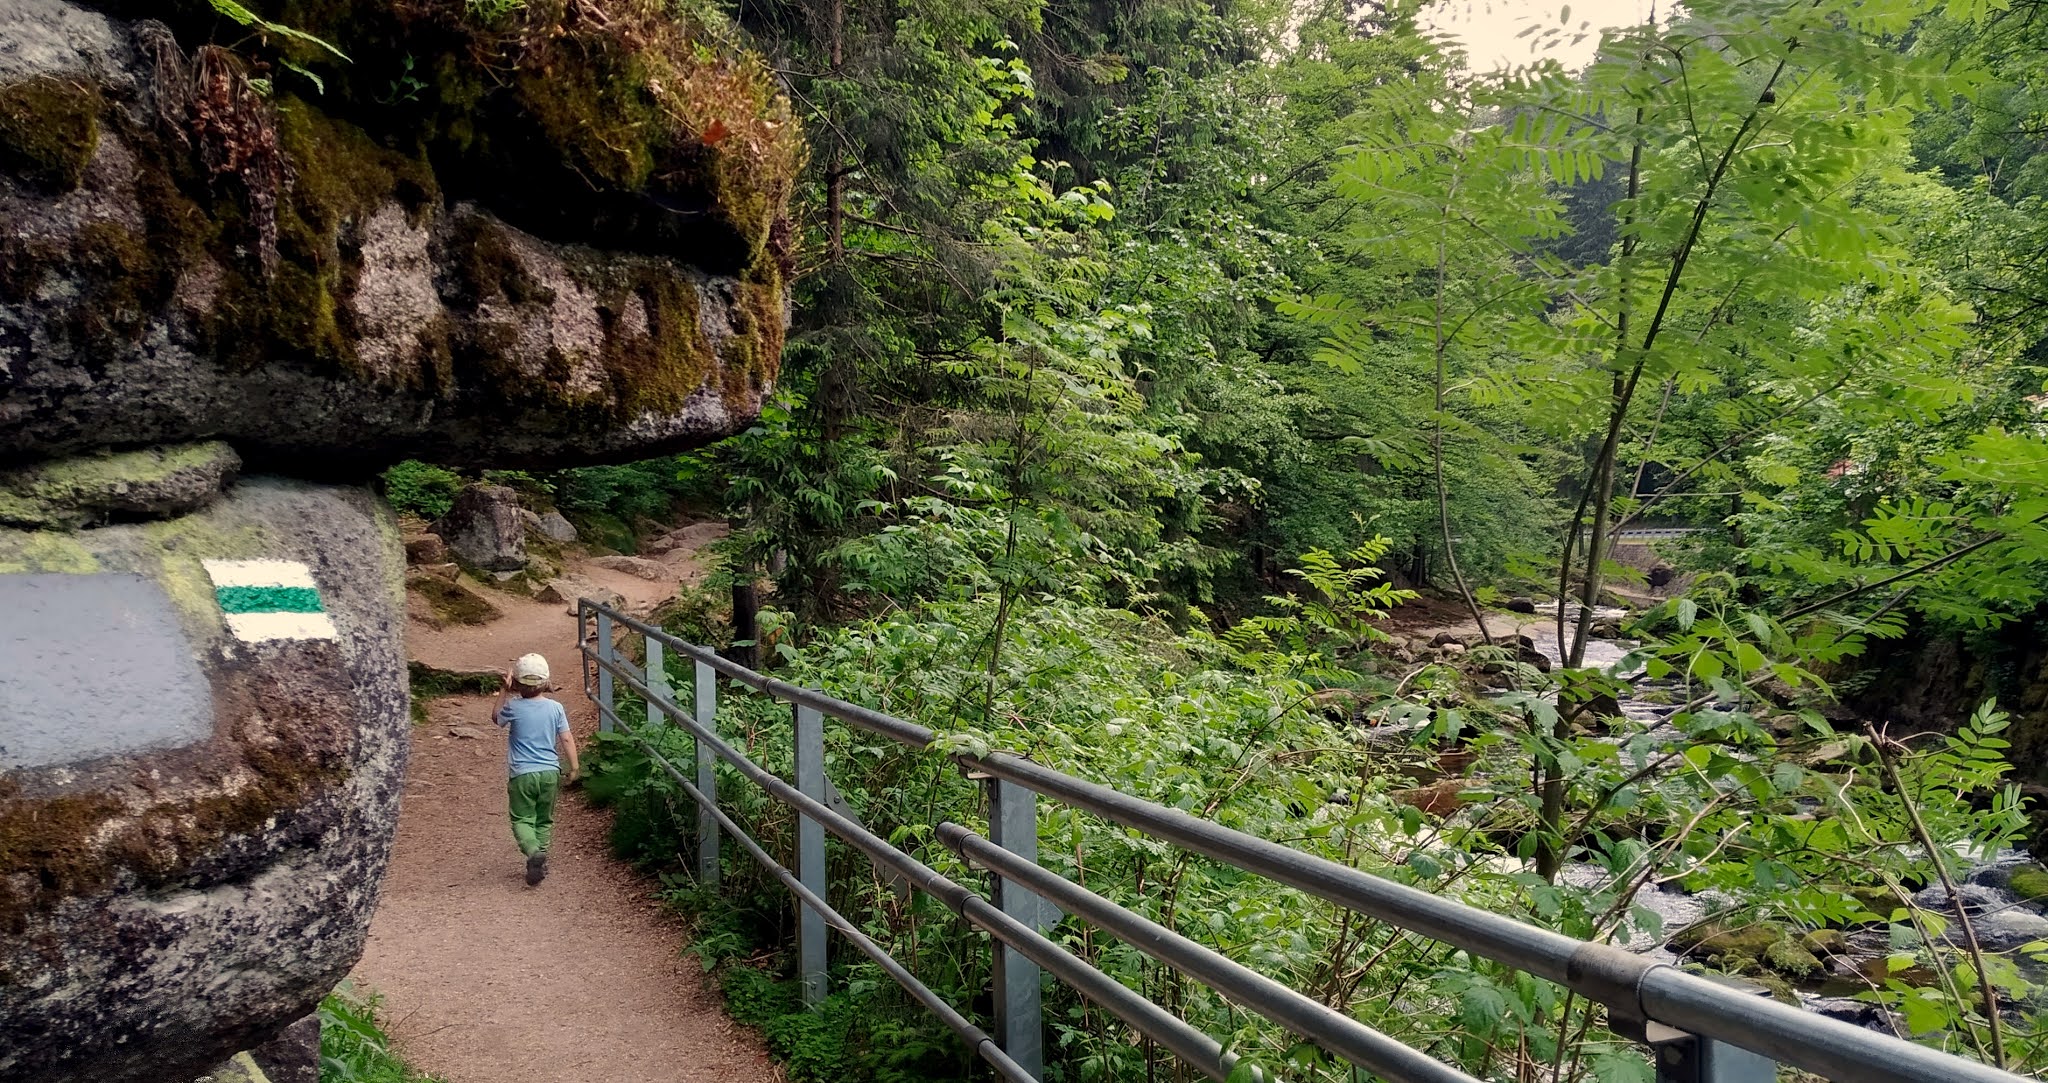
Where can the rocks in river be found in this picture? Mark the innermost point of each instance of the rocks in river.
(1975, 897)
(1440, 798)
(1755, 948)
(485, 530)
(2000, 922)
(1998, 897)
(2017, 873)
(1521, 605)
(1338, 703)
(1859, 1013)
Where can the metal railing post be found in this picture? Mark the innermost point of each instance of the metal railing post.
(657, 681)
(583, 666)
(707, 779)
(604, 675)
(810, 852)
(1020, 1012)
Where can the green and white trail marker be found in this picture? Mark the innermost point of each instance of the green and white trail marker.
(266, 600)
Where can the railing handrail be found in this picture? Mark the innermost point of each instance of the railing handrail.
(1640, 994)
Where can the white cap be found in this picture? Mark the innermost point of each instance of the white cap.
(530, 670)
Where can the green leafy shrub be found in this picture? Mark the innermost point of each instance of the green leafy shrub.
(353, 1048)
(421, 489)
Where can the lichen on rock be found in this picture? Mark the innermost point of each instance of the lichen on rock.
(562, 247)
(148, 893)
(153, 483)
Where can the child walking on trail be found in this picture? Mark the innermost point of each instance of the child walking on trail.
(533, 723)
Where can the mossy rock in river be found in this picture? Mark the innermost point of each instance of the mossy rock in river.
(565, 243)
(1757, 948)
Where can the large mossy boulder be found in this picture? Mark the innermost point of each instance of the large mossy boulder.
(557, 236)
(551, 237)
(200, 757)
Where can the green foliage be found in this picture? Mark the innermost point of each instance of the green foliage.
(353, 1048)
(244, 16)
(1308, 635)
(1110, 319)
(421, 489)
(490, 11)
(615, 502)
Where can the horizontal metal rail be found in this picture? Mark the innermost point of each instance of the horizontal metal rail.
(1340, 1034)
(977, 1039)
(1639, 993)
(1191, 1045)
(909, 734)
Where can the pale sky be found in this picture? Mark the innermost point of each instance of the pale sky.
(1488, 28)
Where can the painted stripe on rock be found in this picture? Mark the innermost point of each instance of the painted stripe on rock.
(260, 573)
(268, 599)
(269, 627)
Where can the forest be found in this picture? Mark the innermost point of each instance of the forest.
(1251, 404)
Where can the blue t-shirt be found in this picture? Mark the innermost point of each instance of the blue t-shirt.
(534, 723)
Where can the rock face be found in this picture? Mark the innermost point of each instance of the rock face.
(107, 487)
(485, 528)
(196, 815)
(565, 243)
(212, 263)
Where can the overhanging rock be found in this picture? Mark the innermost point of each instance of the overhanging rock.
(565, 244)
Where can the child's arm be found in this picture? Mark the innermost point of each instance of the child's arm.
(569, 747)
(504, 697)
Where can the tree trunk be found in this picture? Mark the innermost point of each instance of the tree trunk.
(746, 609)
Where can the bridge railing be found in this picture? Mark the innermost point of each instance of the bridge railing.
(1697, 1030)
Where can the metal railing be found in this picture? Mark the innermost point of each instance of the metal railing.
(1698, 1030)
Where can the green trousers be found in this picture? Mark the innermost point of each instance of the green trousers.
(532, 797)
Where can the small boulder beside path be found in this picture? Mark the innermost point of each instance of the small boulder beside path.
(486, 529)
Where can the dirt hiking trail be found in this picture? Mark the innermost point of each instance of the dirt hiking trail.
(485, 980)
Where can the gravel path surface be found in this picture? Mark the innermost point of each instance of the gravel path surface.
(485, 980)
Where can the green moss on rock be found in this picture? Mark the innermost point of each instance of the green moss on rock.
(453, 602)
(1879, 902)
(2030, 882)
(1825, 942)
(71, 492)
(1787, 957)
(23, 551)
(1712, 939)
(49, 129)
